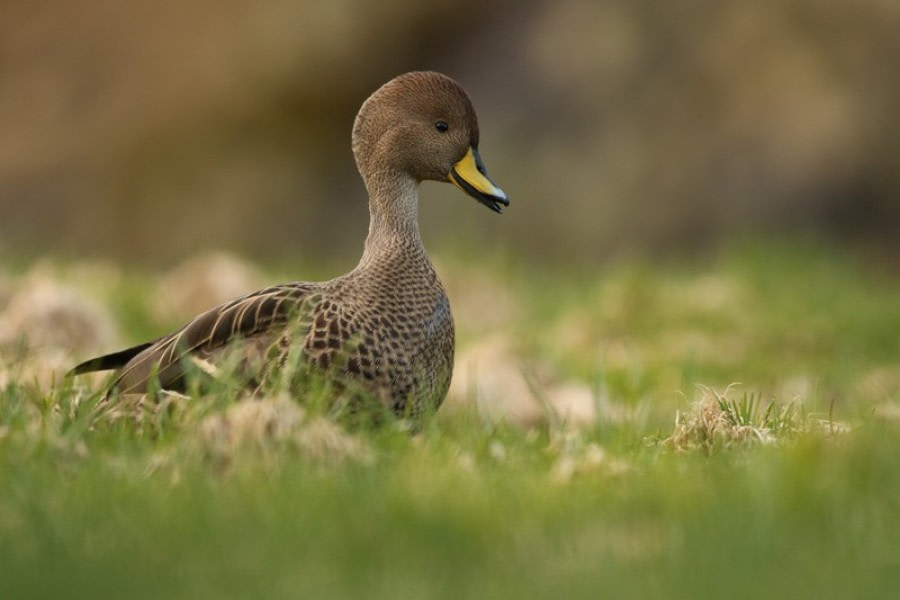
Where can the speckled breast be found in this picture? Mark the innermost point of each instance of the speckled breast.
(394, 334)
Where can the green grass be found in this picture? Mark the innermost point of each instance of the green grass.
(787, 485)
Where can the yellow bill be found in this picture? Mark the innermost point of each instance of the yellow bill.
(470, 176)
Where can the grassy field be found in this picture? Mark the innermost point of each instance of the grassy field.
(740, 438)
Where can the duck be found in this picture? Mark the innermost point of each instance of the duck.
(385, 329)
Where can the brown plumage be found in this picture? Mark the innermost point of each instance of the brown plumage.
(386, 326)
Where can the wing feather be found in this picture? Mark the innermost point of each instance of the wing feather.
(245, 317)
(114, 360)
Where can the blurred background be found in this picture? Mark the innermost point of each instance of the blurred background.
(148, 131)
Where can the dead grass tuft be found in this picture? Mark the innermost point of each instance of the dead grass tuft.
(717, 422)
(269, 425)
(43, 324)
(204, 281)
(44, 313)
(494, 377)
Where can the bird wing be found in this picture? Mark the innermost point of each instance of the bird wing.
(244, 318)
(114, 360)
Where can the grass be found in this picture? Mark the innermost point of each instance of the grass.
(681, 485)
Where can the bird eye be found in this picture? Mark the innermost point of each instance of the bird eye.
(441, 126)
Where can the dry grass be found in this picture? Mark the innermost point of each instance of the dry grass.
(272, 426)
(719, 421)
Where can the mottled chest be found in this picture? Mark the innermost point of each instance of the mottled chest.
(395, 334)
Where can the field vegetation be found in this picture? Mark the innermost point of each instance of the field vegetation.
(724, 426)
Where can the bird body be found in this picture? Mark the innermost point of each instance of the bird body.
(385, 328)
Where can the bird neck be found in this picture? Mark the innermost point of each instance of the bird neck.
(393, 220)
